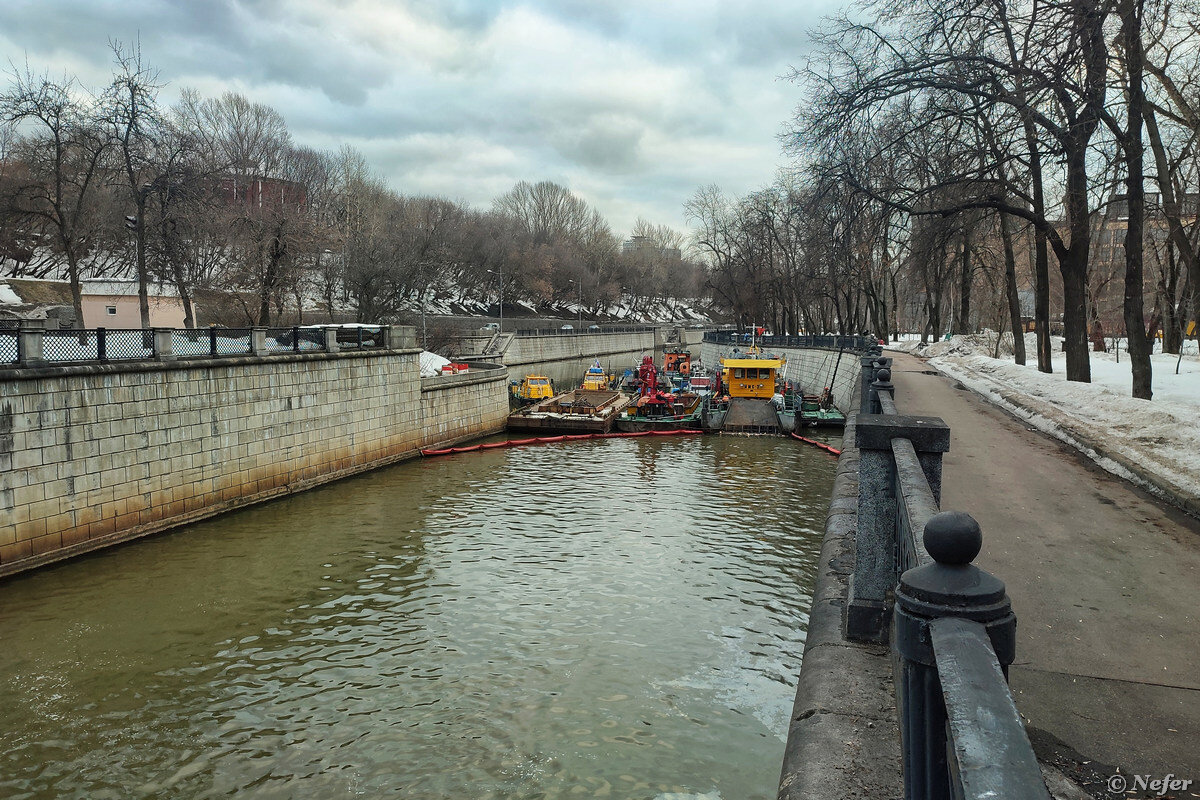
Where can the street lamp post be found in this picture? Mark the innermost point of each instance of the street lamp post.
(500, 275)
(579, 283)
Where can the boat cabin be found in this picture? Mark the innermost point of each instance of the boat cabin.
(596, 379)
(750, 377)
(677, 361)
(533, 387)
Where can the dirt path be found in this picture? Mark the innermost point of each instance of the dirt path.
(1105, 581)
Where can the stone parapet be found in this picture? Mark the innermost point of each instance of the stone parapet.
(842, 738)
(91, 455)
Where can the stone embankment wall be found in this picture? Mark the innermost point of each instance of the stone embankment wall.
(565, 357)
(812, 370)
(530, 350)
(98, 454)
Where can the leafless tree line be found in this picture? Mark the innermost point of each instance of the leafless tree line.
(950, 153)
(213, 194)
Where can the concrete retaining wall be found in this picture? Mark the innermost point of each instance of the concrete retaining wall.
(812, 369)
(529, 350)
(94, 455)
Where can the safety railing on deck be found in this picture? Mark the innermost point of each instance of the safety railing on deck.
(38, 347)
(817, 341)
(950, 624)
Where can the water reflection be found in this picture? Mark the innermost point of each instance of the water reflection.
(618, 618)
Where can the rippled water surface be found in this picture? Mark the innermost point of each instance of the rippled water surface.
(619, 618)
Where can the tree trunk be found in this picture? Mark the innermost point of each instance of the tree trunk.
(1010, 289)
(962, 322)
(1073, 265)
(1172, 322)
(140, 246)
(1170, 208)
(76, 287)
(1135, 324)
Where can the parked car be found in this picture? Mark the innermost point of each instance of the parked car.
(594, 328)
(491, 327)
(568, 327)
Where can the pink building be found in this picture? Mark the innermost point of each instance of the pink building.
(114, 304)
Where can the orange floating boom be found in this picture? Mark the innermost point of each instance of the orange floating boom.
(815, 443)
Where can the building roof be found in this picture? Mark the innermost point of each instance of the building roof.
(41, 292)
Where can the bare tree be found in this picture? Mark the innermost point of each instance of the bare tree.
(63, 146)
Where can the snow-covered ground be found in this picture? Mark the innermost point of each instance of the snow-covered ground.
(1153, 442)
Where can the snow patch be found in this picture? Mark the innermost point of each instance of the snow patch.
(1159, 435)
(431, 364)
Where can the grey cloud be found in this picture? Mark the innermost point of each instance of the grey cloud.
(609, 143)
(457, 119)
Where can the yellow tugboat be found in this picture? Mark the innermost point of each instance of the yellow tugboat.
(748, 379)
(596, 379)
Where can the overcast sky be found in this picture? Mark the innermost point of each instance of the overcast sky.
(632, 105)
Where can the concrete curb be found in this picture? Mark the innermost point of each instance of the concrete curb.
(843, 736)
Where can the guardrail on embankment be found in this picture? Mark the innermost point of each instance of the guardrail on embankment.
(35, 346)
(948, 625)
(818, 341)
(590, 331)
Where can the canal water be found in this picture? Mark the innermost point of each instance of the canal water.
(619, 618)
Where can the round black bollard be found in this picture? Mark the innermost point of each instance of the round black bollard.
(950, 586)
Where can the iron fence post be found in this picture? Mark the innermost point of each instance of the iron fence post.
(212, 340)
(950, 586)
(101, 344)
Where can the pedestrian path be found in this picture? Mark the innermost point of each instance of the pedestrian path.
(1105, 581)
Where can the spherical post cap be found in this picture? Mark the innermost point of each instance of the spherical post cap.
(953, 537)
(884, 375)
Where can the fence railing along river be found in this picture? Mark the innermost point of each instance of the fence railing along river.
(949, 624)
(30, 346)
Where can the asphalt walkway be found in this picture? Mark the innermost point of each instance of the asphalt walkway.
(1105, 581)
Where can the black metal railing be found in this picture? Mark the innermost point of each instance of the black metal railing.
(10, 346)
(230, 341)
(191, 342)
(591, 330)
(294, 340)
(813, 341)
(949, 623)
(80, 346)
(99, 344)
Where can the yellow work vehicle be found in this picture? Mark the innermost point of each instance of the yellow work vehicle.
(531, 389)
